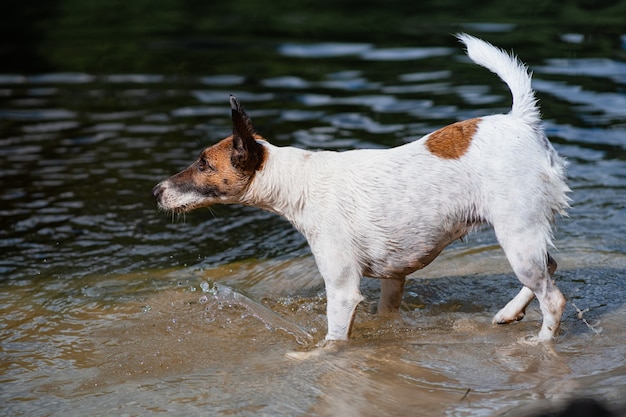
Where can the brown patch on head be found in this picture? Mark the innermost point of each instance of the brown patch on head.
(222, 172)
(216, 174)
(452, 141)
(213, 178)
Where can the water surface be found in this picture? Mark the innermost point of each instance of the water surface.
(112, 307)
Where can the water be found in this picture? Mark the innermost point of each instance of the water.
(112, 307)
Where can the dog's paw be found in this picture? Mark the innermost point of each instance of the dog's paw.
(325, 347)
(506, 317)
(529, 340)
(543, 346)
(304, 355)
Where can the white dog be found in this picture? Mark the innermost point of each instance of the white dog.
(386, 213)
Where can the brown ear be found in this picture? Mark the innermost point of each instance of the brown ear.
(247, 154)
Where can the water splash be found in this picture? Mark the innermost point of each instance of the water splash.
(225, 296)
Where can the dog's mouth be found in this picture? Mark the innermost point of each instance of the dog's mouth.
(181, 208)
(175, 210)
(171, 200)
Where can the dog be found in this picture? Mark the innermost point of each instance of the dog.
(385, 213)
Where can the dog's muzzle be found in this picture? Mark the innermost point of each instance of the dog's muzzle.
(157, 191)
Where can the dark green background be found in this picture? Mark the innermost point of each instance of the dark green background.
(192, 37)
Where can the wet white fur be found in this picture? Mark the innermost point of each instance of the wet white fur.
(386, 213)
(386, 207)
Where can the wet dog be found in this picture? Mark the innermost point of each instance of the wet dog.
(387, 213)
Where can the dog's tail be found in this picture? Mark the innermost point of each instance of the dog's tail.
(513, 72)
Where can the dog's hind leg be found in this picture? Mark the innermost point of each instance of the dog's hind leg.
(526, 253)
(390, 295)
(515, 309)
(552, 265)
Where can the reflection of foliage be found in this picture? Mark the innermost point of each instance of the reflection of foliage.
(197, 36)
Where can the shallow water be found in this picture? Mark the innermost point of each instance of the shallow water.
(111, 307)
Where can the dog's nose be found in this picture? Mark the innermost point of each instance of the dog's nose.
(157, 191)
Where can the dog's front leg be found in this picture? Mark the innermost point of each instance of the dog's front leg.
(341, 306)
(342, 295)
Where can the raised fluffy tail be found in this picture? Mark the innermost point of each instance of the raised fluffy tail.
(513, 72)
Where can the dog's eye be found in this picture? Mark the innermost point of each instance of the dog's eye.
(203, 165)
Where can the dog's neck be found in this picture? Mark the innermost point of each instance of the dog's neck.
(281, 185)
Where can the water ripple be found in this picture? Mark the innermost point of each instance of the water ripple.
(365, 51)
(405, 54)
(360, 121)
(135, 78)
(590, 67)
(599, 106)
(323, 50)
(37, 114)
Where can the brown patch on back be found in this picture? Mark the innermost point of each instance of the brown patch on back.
(452, 141)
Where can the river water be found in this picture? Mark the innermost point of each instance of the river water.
(110, 307)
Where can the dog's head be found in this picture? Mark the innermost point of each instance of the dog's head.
(222, 172)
